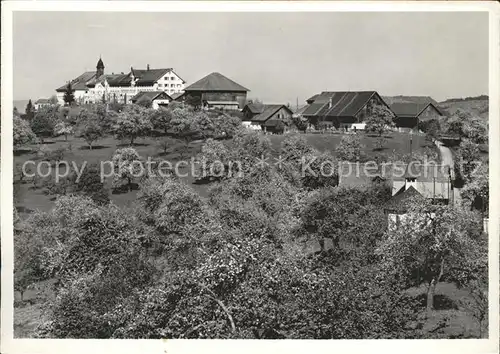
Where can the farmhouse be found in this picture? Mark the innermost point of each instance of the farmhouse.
(419, 182)
(96, 86)
(155, 98)
(409, 114)
(216, 91)
(341, 109)
(274, 118)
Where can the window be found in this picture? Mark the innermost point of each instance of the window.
(178, 85)
(172, 85)
(166, 78)
(172, 78)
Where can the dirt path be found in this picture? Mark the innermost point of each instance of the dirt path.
(446, 155)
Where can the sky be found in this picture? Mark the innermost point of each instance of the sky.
(280, 57)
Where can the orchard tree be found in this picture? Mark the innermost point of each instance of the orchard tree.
(476, 192)
(213, 160)
(468, 157)
(301, 123)
(88, 127)
(350, 148)
(379, 120)
(69, 95)
(160, 119)
(132, 123)
(225, 126)
(63, 128)
(433, 243)
(127, 165)
(22, 133)
(431, 127)
(184, 125)
(44, 121)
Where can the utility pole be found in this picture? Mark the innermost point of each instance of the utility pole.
(297, 106)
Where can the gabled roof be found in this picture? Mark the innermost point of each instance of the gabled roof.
(42, 100)
(399, 201)
(150, 95)
(267, 111)
(148, 77)
(411, 109)
(216, 82)
(343, 103)
(409, 99)
(80, 83)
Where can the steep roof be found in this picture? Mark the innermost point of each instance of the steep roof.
(176, 95)
(80, 83)
(409, 99)
(343, 103)
(151, 95)
(399, 201)
(410, 109)
(148, 77)
(267, 111)
(216, 82)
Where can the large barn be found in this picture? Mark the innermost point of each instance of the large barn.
(409, 114)
(341, 109)
(216, 91)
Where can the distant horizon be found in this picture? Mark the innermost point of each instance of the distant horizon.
(280, 57)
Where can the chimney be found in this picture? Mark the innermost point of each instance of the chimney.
(147, 67)
(330, 103)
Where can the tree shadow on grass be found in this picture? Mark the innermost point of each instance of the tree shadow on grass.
(94, 147)
(379, 148)
(441, 302)
(19, 152)
(23, 209)
(125, 188)
(131, 145)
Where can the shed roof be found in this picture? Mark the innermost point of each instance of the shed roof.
(216, 82)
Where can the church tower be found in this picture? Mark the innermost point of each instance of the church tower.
(100, 68)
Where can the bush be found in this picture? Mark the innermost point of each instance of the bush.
(350, 148)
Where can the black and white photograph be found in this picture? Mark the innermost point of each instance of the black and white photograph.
(249, 174)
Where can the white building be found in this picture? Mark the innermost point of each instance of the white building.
(42, 103)
(95, 86)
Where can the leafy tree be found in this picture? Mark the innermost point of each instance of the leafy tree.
(88, 127)
(379, 120)
(53, 100)
(319, 170)
(225, 126)
(15, 113)
(213, 161)
(294, 147)
(476, 192)
(468, 157)
(69, 95)
(126, 166)
(431, 127)
(350, 148)
(22, 133)
(300, 123)
(30, 111)
(160, 119)
(44, 121)
(145, 102)
(132, 122)
(63, 128)
(184, 126)
(433, 243)
(350, 217)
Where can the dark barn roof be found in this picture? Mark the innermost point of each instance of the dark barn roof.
(343, 103)
(148, 77)
(216, 82)
(80, 83)
(410, 109)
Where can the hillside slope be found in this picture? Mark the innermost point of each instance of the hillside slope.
(477, 106)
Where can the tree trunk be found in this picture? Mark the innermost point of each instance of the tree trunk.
(432, 289)
(22, 295)
(65, 137)
(90, 146)
(132, 141)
